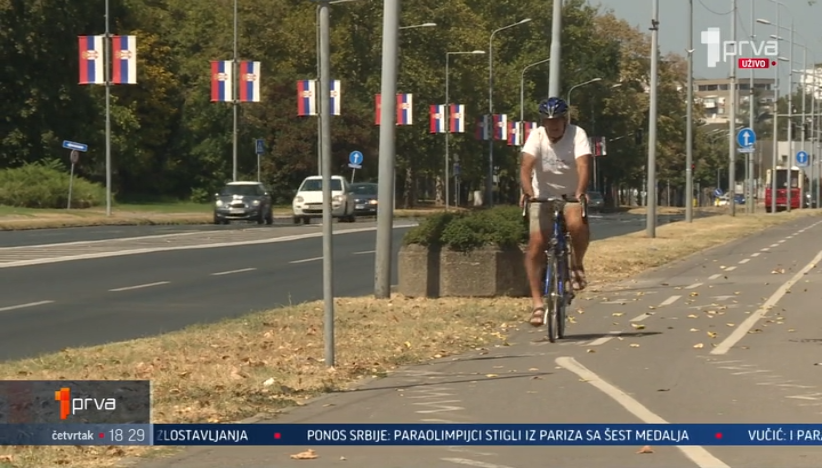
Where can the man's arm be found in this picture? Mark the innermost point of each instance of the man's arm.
(584, 173)
(526, 172)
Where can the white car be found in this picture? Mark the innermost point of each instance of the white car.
(308, 203)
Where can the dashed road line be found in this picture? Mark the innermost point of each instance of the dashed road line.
(693, 286)
(25, 306)
(670, 300)
(364, 252)
(713, 277)
(744, 260)
(755, 254)
(478, 464)
(231, 272)
(305, 260)
(730, 268)
(139, 286)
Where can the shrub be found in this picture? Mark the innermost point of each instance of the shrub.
(45, 184)
(500, 227)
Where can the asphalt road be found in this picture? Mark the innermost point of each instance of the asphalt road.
(606, 226)
(731, 336)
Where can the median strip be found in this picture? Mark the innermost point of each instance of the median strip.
(263, 362)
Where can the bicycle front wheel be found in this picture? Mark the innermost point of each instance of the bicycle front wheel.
(553, 300)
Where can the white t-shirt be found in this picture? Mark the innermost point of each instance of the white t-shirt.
(555, 172)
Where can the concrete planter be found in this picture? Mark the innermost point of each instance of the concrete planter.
(440, 272)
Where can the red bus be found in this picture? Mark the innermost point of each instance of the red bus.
(798, 181)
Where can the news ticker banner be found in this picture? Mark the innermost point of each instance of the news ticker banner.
(75, 402)
(412, 434)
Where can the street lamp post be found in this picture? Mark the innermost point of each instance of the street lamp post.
(489, 182)
(568, 98)
(522, 88)
(689, 131)
(650, 220)
(775, 153)
(423, 25)
(448, 120)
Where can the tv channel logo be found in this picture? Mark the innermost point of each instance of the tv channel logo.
(72, 406)
(765, 52)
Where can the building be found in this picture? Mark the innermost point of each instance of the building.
(713, 95)
(812, 81)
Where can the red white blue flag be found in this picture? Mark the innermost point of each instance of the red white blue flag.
(124, 59)
(249, 81)
(457, 119)
(336, 93)
(527, 128)
(500, 127)
(597, 146)
(306, 98)
(91, 60)
(483, 131)
(438, 118)
(515, 134)
(378, 102)
(405, 109)
(222, 81)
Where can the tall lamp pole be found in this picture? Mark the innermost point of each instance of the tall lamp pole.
(489, 182)
(650, 221)
(689, 129)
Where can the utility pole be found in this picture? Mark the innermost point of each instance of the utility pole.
(750, 196)
(732, 120)
(689, 131)
(235, 91)
(650, 220)
(556, 49)
(107, 76)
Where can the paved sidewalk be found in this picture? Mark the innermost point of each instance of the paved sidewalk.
(633, 355)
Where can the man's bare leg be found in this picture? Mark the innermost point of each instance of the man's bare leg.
(535, 261)
(580, 238)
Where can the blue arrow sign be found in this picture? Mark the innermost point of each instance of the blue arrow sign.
(355, 158)
(746, 137)
(718, 192)
(802, 159)
(74, 146)
(260, 144)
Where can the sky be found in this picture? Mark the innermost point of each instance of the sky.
(673, 28)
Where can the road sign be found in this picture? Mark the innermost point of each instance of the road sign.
(745, 149)
(74, 157)
(355, 166)
(355, 158)
(260, 144)
(746, 137)
(457, 169)
(802, 159)
(74, 146)
(718, 192)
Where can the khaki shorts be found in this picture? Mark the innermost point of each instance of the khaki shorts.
(541, 216)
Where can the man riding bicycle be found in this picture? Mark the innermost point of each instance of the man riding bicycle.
(555, 163)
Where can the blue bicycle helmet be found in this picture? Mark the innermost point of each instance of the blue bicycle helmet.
(553, 108)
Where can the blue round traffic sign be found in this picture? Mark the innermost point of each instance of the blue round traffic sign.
(718, 192)
(355, 158)
(745, 138)
(802, 158)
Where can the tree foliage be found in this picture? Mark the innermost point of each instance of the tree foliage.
(168, 139)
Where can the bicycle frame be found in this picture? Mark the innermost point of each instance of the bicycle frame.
(558, 247)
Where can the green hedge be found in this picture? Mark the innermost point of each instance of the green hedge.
(45, 184)
(501, 226)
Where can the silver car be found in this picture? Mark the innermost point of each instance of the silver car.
(365, 198)
(595, 201)
(243, 201)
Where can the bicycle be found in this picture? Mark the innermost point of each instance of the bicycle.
(557, 292)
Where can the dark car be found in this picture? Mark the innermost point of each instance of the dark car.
(365, 198)
(243, 201)
(595, 201)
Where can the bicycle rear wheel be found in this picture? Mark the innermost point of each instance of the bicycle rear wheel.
(562, 284)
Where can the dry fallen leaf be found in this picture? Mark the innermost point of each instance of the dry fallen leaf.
(589, 350)
(730, 324)
(618, 314)
(791, 330)
(533, 369)
(698, 346)
(646, 449)
(635, 345)
(638, 326)
(694, 329)
(307, 455)
(712, 334)
(692, 316)
(491, 375)
(6, 458)
(694, 294)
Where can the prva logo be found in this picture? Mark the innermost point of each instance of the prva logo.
(69, 405)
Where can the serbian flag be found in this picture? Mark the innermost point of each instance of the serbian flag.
(405, 109)
(527, 128)
(514, 133)
(500, 127)
(335, 97)
(483, 128)
(249, 81)
(124, 59)
(438, 122)
(222, 81)
(306, 98)
(457, 118)
(378, 101)
(91, 60)
(597, 146)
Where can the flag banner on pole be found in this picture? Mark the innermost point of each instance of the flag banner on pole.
(405, 109)
(336, 93)
(515, 134)
(438, 118)
(569, 435)
(222, 81)
(597, 146)
(500, 127)
(378, 102)
(124, 59)
(306, 98)
(528, 127)
(602, 141)
(483, 131)
(91, 60)
(457, 118)
(249, 81)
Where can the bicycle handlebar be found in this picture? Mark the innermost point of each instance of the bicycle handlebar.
(566, 199)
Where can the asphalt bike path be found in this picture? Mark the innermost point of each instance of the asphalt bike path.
(650, 372)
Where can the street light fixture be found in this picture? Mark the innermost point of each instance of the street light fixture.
(568, 100)
(489, 183)
(448, 113)
(423, 25)
(522, 87)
